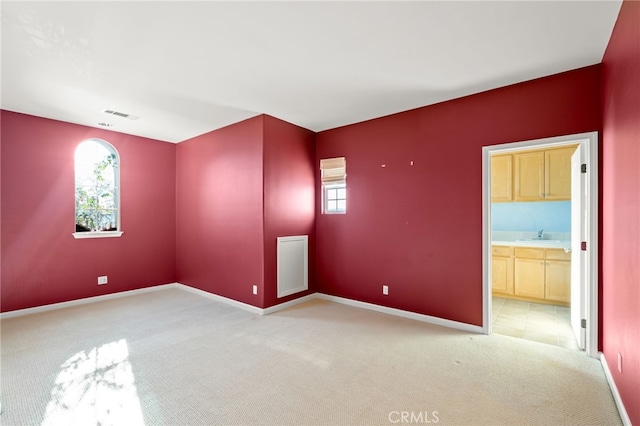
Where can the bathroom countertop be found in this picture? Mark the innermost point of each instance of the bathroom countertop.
(534, 243)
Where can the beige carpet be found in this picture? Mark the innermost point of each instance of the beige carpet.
(172, 357)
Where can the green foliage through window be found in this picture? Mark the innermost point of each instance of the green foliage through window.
(96, 168)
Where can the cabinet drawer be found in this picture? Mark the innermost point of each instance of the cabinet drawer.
(501, 251)
(558, 254)
(529, 253)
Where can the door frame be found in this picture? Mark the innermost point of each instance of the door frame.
(589, 142)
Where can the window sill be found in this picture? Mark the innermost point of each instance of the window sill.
(103, 234)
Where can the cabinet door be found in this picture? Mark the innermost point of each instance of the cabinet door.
(557, 173)
(529, 176)
(501, 178)
(529, 278)
(502, 275)
(558, 281)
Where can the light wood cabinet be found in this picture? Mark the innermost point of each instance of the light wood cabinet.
(529, 176)
(501, 270)
(536, 274)
(529, 272)
(557, 173)
(558, 276)
(543, 174)
(501, 178)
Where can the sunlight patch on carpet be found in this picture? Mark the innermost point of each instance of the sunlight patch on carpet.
(95, 387)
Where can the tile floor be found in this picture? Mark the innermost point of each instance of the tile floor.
(533, 321)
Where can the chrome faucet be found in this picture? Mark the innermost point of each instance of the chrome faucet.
(540, 231)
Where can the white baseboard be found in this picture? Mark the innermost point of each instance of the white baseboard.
(405, 314)
(281, 306)
(391, 311)
(222, 299)
(84, 301)
(245, 306)
(250, 308)
(94, 299)
(626, 421)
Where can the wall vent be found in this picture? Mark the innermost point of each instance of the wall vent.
(293, 264)
(121, 114)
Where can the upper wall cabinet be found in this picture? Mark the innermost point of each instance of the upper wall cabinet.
(543, 175)
(529, 176)
(501, 178)
(557, 173)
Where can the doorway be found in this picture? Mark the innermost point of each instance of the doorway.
(584, 299)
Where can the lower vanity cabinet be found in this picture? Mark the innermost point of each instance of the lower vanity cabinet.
(558, 276)
(529, 272)
(502, 270)
(532, 273)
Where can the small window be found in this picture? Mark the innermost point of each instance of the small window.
(97, 197)
(335, 198)
(334, 185)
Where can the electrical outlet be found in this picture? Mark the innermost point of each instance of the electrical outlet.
(619, 363)
(385, 289)
(255, 289)
(102, 280)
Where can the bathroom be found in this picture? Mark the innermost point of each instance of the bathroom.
(531, 245)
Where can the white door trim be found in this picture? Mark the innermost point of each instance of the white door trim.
(589, 142)
(579, 229)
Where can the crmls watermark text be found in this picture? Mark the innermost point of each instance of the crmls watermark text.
(413, 417)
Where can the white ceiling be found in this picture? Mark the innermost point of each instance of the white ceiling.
(186, 68)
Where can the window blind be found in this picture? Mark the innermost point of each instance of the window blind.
(334, 170)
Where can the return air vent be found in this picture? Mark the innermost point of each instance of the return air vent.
(121, 114)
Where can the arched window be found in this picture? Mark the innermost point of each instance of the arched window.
(97, 180)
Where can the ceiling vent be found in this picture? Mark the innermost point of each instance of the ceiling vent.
(121, 114)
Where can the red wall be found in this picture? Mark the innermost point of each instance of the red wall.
(219, 211)
(289, 197)
(418, 228)
(621, 205)
(41, 261)
(238, 189)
